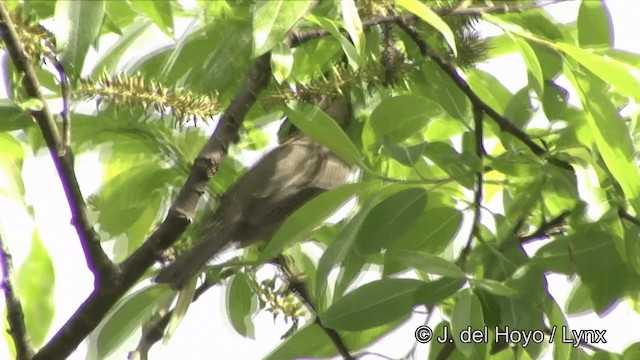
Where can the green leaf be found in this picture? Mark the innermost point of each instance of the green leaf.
(432, 232)
(322, 128)
(594, 24)
(489, 89)
(78, 24)
(272, 19)
(442, 89)
(312, 341)
(534, 70)
(427, 263)
(518, 164)
(35, 282)
(390, 219)
(579, 301)
(467, 314)
(132, 311)
(402, 116)
(312, 214)
(353, 24)
(623, 77)
(13, 117)
(338, 250)
(425, 13)
(185, 297)
(432, 293)
(352, 54)
(281, 62)
(495, 287)
(599, 265)
(241, 304)
(555, 256)
(11, 160)
(31, 105)
(124, 199)
(561, 350)
(632, 352)
(461, 167)
(612, 137)
(160, 11)
(406, 155)
(376, 303)
(109, 60)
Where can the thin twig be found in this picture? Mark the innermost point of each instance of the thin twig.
(630, 218)
(298, 286)
(545, 228)
(15, 316)
(66, 95)
(97, 260)
(478, 193)
(505, 124)
(109, 291)
(154, 330)
(99, 302)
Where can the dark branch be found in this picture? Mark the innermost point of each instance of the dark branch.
(96, 306)
(504, 123)
(298, 286)
(478, 194)
(544, 230)
(97, 260)
(102, 299)
(153, 331)
(66, 95)
(630, 218)
(15, 316)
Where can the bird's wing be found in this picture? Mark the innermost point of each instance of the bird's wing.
(294, 165)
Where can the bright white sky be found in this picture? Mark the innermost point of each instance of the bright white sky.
(206, 331)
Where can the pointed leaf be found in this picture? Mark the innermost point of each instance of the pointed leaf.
(160, 11)
(322, 128)
(373, 304)
(241, 304)
(467, 314)
(353, 24)
(35, 283)
(281, 62)
(401, 116)
(425, 13)
(132, 311)
(427, 263)
(79, 24)
(390, 219)
(272, 19)
(312, 214)
(594, 24)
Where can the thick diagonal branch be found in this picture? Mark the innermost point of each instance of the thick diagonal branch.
(96, 306)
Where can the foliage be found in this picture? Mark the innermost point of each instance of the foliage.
(431, 159)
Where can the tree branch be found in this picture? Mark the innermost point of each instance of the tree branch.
(96, 306)
(543, 230)
(504, 123)
(97, 260)
(630, 218)
(108, 291)
(153, 331)
(298, 286)
(15, 316)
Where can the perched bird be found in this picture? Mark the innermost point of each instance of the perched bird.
(260, 201)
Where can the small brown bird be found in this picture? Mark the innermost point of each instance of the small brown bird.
(261, 200)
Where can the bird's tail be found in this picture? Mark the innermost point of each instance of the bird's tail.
(187, 265)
